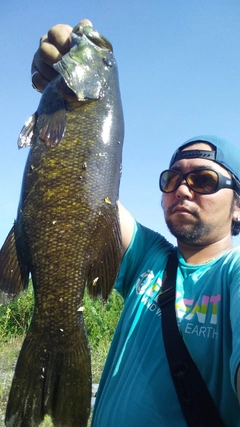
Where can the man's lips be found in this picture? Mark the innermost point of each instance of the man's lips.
(181, 209)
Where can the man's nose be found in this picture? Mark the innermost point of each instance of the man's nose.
(184, 191)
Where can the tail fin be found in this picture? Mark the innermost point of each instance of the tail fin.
(50, 382)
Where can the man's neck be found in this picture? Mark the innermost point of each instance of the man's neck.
(201, 253)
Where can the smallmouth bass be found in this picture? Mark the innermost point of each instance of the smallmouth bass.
(67, 233)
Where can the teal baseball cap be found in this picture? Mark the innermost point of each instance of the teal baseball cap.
(224, 153)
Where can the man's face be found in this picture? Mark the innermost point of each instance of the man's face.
(198, 218)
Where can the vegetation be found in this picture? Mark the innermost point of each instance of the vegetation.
(15, 319)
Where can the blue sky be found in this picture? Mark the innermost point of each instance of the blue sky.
(179, 65)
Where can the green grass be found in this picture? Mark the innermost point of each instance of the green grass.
(15, 319)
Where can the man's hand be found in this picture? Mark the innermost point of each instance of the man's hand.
(51, 49)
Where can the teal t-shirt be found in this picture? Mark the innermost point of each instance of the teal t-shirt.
(136, 388)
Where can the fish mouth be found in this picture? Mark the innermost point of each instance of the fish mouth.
(93, 36)
(86, 67)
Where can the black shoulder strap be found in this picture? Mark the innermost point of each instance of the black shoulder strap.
(197, 404)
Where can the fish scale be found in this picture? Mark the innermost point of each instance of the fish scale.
(67, 232)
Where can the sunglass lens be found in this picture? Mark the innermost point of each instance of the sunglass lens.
(203, 181)
(169, 181)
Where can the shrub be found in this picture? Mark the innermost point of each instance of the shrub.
(15, 317)
(100, 320)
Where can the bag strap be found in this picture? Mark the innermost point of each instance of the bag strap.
(196, 402)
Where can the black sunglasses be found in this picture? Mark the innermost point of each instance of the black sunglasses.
(203, 181)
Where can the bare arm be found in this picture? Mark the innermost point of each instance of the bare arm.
(127, 226)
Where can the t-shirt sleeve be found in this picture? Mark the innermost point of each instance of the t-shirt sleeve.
(143, 243)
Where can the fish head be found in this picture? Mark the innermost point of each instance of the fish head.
(87, 66)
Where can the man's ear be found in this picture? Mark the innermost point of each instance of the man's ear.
(236, 209)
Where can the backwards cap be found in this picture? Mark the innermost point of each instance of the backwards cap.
(226, 154)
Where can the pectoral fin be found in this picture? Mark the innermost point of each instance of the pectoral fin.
(51, 122)
(26, 134)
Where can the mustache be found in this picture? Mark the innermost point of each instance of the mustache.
(182, 205)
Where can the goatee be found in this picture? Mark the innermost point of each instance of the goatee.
(189, 233)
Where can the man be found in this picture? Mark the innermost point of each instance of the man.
(201, 207)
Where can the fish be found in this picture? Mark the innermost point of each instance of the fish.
(66, 235)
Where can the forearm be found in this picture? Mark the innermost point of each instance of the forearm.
(127, 226)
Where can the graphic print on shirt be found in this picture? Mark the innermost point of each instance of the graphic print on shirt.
(200, 318)
(149, 289)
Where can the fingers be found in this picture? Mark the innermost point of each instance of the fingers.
(52, 47)
(60, 37)
(86, 22)
(43, 73)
